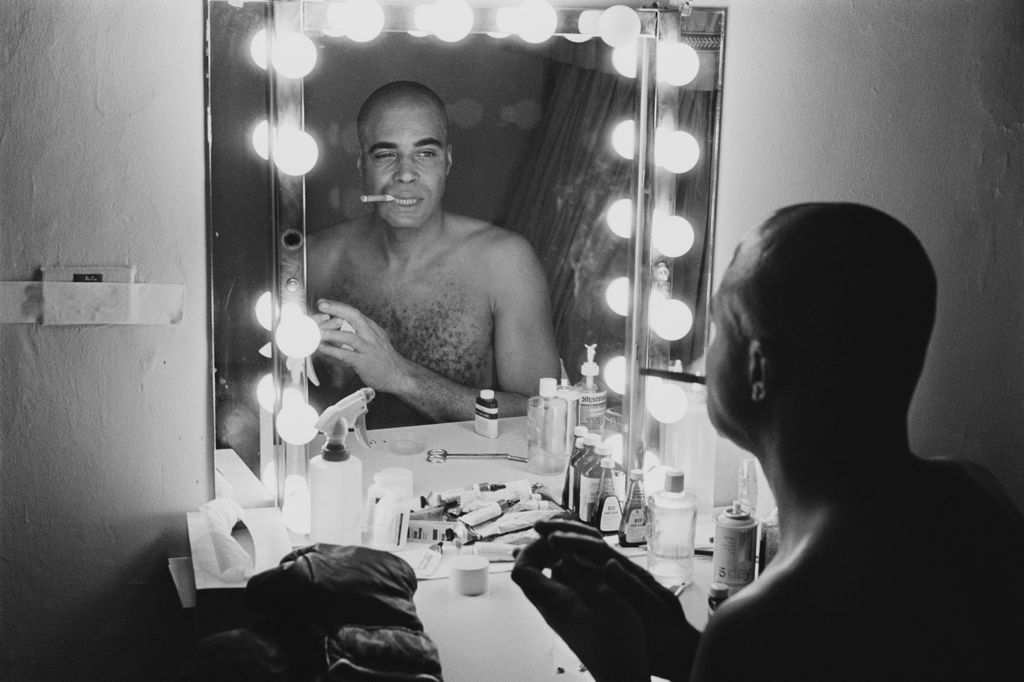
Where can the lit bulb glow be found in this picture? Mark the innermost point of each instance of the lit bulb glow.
(258, 48)
(623, 138)
(295, 151)
(619, 25)
(624, 59)
(296, 421)
(266, 392)
(293, 55)
(297, 334)
(576, 37)
(614, 374)
(452, 20)
(358, 20)
(295, 511)
(617, 295)
(261, 139)
(264, 310)
(589, 22)
(666, 401)
(614, 442)
(671, 319)
(672, 235)
(676, 151)
(537, 21)
(678, 63)
(620, 218)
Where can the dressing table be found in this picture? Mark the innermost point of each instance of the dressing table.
(498, 635)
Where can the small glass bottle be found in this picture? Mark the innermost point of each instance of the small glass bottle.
(545, 430)
(717, 593)
(583, 462)
(487, 414)
(606, 513)
(568, 496)
(592, 478)
(673, 530)
(634, 527)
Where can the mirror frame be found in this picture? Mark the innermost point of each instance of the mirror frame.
(649, 191)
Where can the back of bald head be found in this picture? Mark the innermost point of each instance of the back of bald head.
(398, 94)
(846, 289)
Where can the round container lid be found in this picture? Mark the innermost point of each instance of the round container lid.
(469, 574)
(674, 480)
(548, 387)
(487, 394)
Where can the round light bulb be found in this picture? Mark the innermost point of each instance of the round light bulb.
(265, 310)
(614, 442)
(614, 374)
(676, 151)
(619, 25)
(295, 510)
(258, 48)
(293, 55)
(620, 217)
(366, 20)
(452, 20)
(678, 63)
(261, 139)
(589, 22)
(537, 21)
(296, 420)
(295, 151)
(623, 136)
(266, 392)
(666, 401)
(672, 235)
(624, 60)
(671, 319)
(617, 295)
(497, 34)
(506, 19)
(297, 334)
(576, 37)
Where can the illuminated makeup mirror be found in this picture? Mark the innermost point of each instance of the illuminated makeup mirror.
(604, 158)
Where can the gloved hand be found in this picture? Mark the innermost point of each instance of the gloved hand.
(328, 586)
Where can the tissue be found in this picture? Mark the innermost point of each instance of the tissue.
(222, 515)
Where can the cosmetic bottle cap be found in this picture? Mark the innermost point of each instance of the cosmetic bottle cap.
(592, 439)
(718, 590)
(674, 481)
(603, 449)
(548, 387)
(487, 394)
(580, 431)
(590, 368)
(636, 474)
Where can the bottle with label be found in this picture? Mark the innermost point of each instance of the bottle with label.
(593, 396)
(336, 490)
(572, 411)
(606, 514)
(768, 545)
(584, 460)
(487, 414)
(634, 527)
(673, 513)
(568, 497)
(732, 560)
(593, 478)
(545, 430)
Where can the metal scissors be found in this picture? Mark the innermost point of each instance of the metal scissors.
(440, 456)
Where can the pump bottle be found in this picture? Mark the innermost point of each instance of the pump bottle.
(593, 397)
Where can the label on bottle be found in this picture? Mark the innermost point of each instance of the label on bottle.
(590, 487)
(486, 423)
(593, 406)
(611, 515)
(635, 527)
(733, 554)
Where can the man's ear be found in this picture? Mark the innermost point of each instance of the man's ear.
(760, 372)
(448, 165)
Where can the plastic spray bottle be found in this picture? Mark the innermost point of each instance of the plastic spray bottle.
(336, 476)
(593, 397)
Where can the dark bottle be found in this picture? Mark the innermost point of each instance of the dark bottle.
(569, 494)
(605, 512)
(635, 524)
(717, 593)
(585, 460)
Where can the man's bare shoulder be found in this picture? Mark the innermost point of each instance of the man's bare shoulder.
(494, 246)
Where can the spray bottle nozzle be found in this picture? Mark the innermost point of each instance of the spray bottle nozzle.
(351, 409)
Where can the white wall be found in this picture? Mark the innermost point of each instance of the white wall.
(104, 428)
(913, 106)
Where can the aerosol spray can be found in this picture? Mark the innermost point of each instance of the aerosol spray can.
(735, 541)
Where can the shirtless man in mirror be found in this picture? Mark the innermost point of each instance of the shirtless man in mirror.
(424, 306)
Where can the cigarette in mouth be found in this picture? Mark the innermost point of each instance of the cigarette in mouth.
(374, 198)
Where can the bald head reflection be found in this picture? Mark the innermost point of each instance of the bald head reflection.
(401, 94)
(841, 289)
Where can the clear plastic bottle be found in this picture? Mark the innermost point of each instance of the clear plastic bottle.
(635, 524)
(336, 491)
(593, 396)
(592, 481)
(673, 530)
(572, 412)
(568, 493)
(545, 430)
